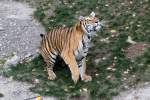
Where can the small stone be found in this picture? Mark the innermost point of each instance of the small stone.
(96, 74)
(97, 60)
(113, 69)
(125, 72)
(113, 31)
(10, 78)
(112, 35)
(138, 25)
(84, 89)
(133, 76)
(129, 40)
(124, 78)
(131, 2)
(104, 58)
(146, 83)
(134, 14)
(12, 61)
(109, 68)
(107, 5)
(36, 81)
(126, 87)
(108, 77)
(66, 90)
(115, 57)
(122, 3)
(126, 27)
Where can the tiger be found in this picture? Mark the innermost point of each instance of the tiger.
(71, 44)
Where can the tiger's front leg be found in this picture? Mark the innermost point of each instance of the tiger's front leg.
(82, 70)
(70, 60)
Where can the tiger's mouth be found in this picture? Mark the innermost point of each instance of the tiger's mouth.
(97, 28)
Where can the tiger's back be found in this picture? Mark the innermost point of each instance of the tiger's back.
(56, 39)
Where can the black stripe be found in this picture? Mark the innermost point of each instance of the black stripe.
(78, 50)
(49, 43)
(56, 39)
(52, 38)
(79, 60)
(53, 53)
(44, 43)
(52, 58)
(84, 25)
(61, 38)
(80, 63)
(84, 46)
(50, 62)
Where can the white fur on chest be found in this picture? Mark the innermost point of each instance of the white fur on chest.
(82, 49)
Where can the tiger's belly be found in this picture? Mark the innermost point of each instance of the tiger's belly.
(80, 54)
(82, 49)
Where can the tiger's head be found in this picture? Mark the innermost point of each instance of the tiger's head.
(90, 24)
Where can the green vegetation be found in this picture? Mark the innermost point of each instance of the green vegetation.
(112, 73)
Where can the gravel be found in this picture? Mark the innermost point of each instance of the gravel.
(13, 90)
(19, 32)
(20, 36)
(139, 93)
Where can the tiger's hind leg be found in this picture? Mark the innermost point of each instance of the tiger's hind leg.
(51, 74)
(82, 70)
(50, 60)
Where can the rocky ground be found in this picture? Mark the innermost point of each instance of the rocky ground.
(19, 35)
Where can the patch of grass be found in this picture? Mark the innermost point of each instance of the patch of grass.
(102, 86)
(126, 18)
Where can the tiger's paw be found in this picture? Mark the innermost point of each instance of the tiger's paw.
(75, 78)
(51, 75)
(87, 78)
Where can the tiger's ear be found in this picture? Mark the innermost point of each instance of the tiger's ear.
(81, 18)
(92, 14)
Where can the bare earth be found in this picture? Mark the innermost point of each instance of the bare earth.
(19, 34)
(142, 92)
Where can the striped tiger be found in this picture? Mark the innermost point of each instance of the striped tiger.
(72, 45)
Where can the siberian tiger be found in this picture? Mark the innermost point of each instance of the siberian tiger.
(72, 45)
